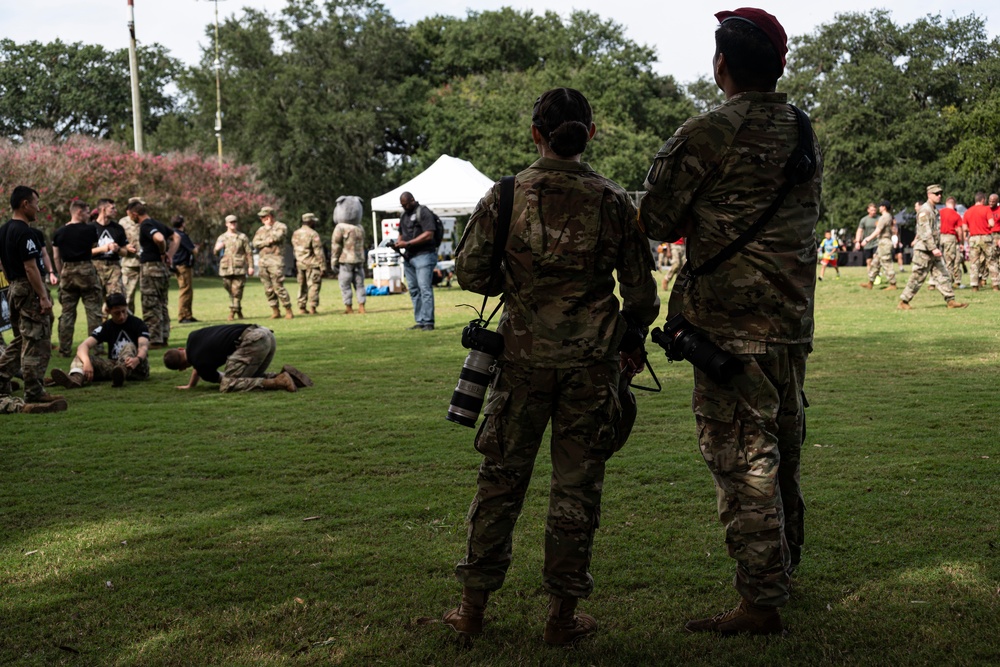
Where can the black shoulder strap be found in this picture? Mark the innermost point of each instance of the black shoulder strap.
(801, 167)
(500, 237)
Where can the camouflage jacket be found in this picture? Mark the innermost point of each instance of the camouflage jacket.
(883, 230)
(308, 248)
(571, 230)
(236, 254)
(711, 181)
(348, 244)
(132, 234)
(928, 237)
(270, 243)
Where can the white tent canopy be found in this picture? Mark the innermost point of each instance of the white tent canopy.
(450, 186)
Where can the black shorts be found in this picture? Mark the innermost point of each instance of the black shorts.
(869, 252)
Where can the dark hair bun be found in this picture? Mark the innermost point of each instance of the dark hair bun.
(570, 138)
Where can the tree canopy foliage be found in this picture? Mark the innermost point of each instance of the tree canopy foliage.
(897, 107)
(332, 97)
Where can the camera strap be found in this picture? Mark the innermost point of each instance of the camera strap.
(500, 237)
(801, 167)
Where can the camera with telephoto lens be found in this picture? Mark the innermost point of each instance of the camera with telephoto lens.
(680, 341)
(477, 372)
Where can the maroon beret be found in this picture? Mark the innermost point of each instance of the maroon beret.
(763, 21)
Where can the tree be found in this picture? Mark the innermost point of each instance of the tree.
(80, 88)
(881, 97)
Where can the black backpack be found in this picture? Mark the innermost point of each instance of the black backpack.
(438, 227)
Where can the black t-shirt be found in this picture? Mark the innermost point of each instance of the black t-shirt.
(185, 251)
(149, 252)
(208, 348)
(18, 244)
(116, 336)
(75, 241)
(109, 233)
(40, 261)
(412, 225)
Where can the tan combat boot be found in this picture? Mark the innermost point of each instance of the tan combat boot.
(996, 288)
(45, 397)
(303, 311)
(361, 308)
(467, 617)
(275, 313)
(232, 315)
(975, 288)
(279, 382)
(348, 310)
(312, 311)
(66, 380)
(563, 626)
(42, 408)
(904, 306)
(744, 619)
(300, 378)
(288, 313)
(956, 304)
(867, 285)
(891, 287)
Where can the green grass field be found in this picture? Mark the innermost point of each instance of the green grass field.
(150, 526)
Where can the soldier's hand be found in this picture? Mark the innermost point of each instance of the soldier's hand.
(936, 252)
(45, 304)
(132, 363)
(88, 372)
(250, 271)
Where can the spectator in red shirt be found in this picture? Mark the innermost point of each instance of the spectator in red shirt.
(952, 238)
(979, 220)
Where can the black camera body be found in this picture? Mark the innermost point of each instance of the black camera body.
(681, 341)
(477, 372)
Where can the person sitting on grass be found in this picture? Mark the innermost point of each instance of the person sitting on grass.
(245, 350)
(127, 338)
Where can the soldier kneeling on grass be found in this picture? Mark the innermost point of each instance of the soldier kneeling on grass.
(127, 338)
(245, 351)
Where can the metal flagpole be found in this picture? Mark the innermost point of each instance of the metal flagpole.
(133, 63)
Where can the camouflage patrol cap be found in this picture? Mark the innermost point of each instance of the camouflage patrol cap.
(309, 217)
(934, 189)
(231, 218)
(267, 210)
(764, 22)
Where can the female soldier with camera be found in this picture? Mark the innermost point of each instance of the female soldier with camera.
(571, 229)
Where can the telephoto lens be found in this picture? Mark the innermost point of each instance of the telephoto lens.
(477, 373)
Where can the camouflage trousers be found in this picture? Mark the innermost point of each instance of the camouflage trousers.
(926, 264)
(750, 433)
(994, 261)
(185, 292)
(351, 275)
(10, 405)
(154, 286)
(981, 260)
(110, 275)
(273, 277)
(31, 347)
(104, 366)
(234, 288)
(677, 258)
(310, 281)
(78, 281)
(951, 252)
(882, 262)
(582, 404)
(130, 281)
(246, 367)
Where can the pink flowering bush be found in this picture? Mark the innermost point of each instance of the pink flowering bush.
(176, 183)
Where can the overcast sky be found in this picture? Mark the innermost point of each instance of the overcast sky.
(680, 31)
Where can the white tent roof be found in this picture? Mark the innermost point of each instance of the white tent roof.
(450, 186)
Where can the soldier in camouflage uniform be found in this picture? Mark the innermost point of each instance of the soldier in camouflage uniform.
(108, 265)
(571, 231)
(677, 258)
(130, 261)
(711, 181)
(157, 245)
(310, 260)
(270, 244)
(245, 350)
(347, 251)
(234, 266)
(30, 306)
(75, 245)
(927, 255)
(882, 260)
